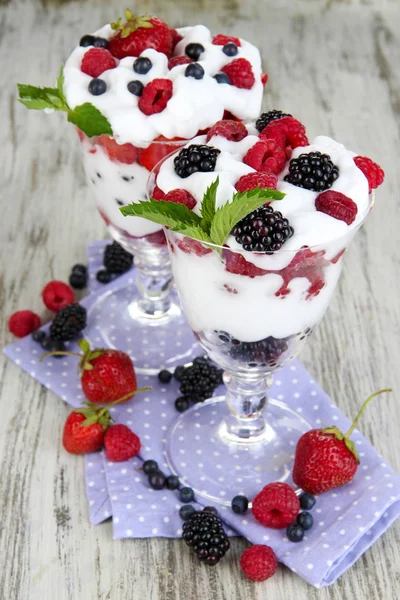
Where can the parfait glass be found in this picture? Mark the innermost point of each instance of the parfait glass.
(142, 317)
(252, 314)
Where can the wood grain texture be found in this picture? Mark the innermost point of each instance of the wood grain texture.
(334, 64)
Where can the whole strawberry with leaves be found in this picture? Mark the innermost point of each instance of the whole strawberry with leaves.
(139, 33)
(327, 458)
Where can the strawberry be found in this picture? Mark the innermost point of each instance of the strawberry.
(327, 458)
(121, 443)
(138, 34)
(123, 153)
(158, 150)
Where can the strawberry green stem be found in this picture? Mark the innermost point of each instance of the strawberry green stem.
(105, 408)
(60, 353)
(360, 412)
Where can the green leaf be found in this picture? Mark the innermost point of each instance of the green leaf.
(208, 206)
(169, 214)
(84, 346)
(194, 231)
(40, 98)
(60, 85)
(89, 120)
(241, 205)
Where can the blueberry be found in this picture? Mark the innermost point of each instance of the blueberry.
(53, 346)
(103, 276)
(97, 87)
(186, 511)
(295, 532)
(87, 40)
(142, 65)
(38, 336)
(179, 371)
(230, 49)
(157, 480)
(77, 280)
(182, 404)
(100, 42)
(210, 509)
(307, 501)
(194, 70)
(222, 78)
(165, 376)
(135, 88)
(240, 504)
(172, 482)
(186, 494)
(194, 50)
(150, 465)
(79, 268)
(305, 520)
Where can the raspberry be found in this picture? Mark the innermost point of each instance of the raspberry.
(337, 205)
(57, 295)
(178, 60)
(123, 153)
(153, 154)
(157, 194)
(267, 156)
(287, 131)
(252, 180)
(68, 322)
(371, 170)
(176, 38)
(96, 61)
(267, 117)
(276, 505)
(120, 443)
(258, 562)
(181, 197)
(220, 40)
(190, 246)
(230, 130)
(240, 73)
(264, 78)
(23, 322)
(155, 96)
(157, 238)
(237, 264)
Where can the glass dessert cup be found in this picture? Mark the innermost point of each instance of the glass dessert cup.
(142, 317)
(252, 314)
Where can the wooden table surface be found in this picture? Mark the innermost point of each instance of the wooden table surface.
(336, 66)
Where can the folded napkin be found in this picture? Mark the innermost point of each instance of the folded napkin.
(346, 521)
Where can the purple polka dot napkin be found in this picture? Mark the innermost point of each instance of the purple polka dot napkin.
(346, 521)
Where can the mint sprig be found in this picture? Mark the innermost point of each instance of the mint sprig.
(214, 226)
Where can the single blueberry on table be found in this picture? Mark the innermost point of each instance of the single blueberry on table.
(240, 504)
(182, 404)
(103, 276)
(150, 465)
(307, 501)
(186, 511)
(295, 532)
(186, 494)
(165, 376)
(157, 480)
(172, 482)
(38, 336)
(305, 520)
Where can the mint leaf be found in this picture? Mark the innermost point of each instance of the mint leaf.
(89, 120)
(169, 214)
(208, 206)
(40, 98)
(194, 231)
(60, 85)
(242, 204)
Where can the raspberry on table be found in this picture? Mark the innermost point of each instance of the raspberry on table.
(178, 60)
(220, 40)
(240, 73)
(337, 205)
(313, 171)
(57, 295)
(23, 322)
(68, 322)
(253, 180)
(180, 196)
(195, 158)
(117, 259)
(287, 131)
(267, 117)
(205, 534)
(276, 506)
(263, 230)
(267, 156)
(120, 443)
(155, 96)
(371, 170)
(258, 562)
(97, 60)
(234, 131)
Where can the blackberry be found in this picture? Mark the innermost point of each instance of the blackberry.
(313, 171)
(267, 117)
(79, 268)
(179, 371)
(117, 259)
(263, 230)
(103, 276)
(262, 353)
(200, 380)
(195, 158)
(68, 322)
(205, 534)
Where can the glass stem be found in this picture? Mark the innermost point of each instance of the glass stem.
(154, 282)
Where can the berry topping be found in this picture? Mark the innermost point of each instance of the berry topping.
(172, 482)
(221, 40)
(68, 323)
(307, 501)
(100, 42)
(295, 532)
(253, 180)
(57, 295)
(276, 505)
(194, 70)
(337, 205)
(155, 96)
(123, 153)
(157, 480)
(180, 196)
(120, 443)
(312, 171)
(263, 230)
(205, 534)
(23, 322)
(236, 263)
(138, 34)
(186, 511)
(86, 40)
(186, 495)
(96, 61)
(258, 562)
(178, 60)
(371, 170)
(305, 520)
(262, 353)
(182, 404)
(267, 117)
(117, 259)
(135, 87)
(157, 194)
(150, 465)
(103, 276)
(230, 49)
(240, 73)
(165, 376)
(222, 78)
(287, 131)
(142, 65)
(195, 158)
(194, 50)
(78, 277)
(200, 380)
(234, 131)
(97, 87)
(240, 504)
(267, 156)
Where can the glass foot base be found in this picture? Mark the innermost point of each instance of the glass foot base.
(153, 342)
(203, 456)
